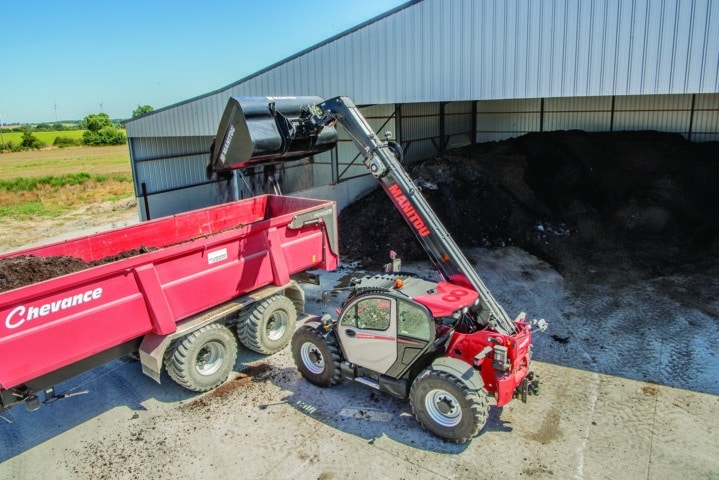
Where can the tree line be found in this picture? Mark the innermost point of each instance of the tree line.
(98, 128)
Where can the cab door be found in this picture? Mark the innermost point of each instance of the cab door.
(368, 332)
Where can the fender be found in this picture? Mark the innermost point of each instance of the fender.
(460, 369)
(315, 321)
(323, 324)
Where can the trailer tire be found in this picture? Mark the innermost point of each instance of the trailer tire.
(268, 325)
(203, 359)
(316, 356)
(447, 407)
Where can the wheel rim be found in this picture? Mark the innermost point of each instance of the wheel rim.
(276, 326)
(312, 358)
(209, 358)
(443, 408)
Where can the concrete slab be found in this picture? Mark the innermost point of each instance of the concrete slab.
(590, 421)
(275, 425)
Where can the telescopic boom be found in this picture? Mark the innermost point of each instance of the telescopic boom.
(313, 127)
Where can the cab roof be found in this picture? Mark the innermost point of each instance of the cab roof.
(442, 299)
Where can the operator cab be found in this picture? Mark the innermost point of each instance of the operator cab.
(392, 319)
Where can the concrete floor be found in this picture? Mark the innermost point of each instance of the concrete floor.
(596, 417)
(583, 425)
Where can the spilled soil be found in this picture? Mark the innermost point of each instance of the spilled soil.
(627, 205)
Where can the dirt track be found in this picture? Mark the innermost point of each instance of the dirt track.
(81, 221)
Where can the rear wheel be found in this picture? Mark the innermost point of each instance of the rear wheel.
(267, 327)
(447, 407)
(203, 359)
(316, 356)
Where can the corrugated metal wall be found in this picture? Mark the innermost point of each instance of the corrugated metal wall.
(162, 165)
(165, 163)
(450, 50)
(468, 50)
(498, 119)
(705, 125)
(696, 117)
(420, 130)
(585, 113)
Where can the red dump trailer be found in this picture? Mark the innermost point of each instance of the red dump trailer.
(197, 277)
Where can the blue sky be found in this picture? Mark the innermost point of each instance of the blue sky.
(67, 58)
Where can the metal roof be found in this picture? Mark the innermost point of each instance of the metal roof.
(457, 50)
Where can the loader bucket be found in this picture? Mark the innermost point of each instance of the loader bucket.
(261, 130)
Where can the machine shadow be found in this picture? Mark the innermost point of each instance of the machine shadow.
(118, 384)
(368, 414)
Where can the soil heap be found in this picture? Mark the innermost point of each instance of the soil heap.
(631, 204)
(20, 271)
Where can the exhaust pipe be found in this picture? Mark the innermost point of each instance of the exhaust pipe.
(261, 130)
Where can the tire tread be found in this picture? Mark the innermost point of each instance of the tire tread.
(178, 362)
(250, 325)
(477, 399)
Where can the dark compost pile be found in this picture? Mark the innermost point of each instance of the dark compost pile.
(629, 204)
(640, 202)
(16, 272)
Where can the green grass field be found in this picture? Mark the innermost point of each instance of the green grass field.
(45, 137)
(48, 182)
(62, 161)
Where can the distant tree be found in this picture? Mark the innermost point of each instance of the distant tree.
(29, 140)
(105, 136)
(58, 126)
(141, 110)
(99, 130)
(95, 122)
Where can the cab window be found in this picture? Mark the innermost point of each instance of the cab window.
(413, 321)
(369, 313)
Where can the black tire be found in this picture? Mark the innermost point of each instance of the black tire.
(267, 326)
(316, 356)
(448, 408)
(203, 359)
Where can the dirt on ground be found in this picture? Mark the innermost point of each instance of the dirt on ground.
(628, 205)
(86, 219)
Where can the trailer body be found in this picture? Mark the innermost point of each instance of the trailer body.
(194, 262)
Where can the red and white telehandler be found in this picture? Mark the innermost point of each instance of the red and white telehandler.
(445, 345)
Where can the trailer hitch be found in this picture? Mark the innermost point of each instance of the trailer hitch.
(52, 397)
(528, 386)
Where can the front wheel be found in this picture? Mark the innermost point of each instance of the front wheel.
(316, 356)
(203, 359)
(447, 407)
